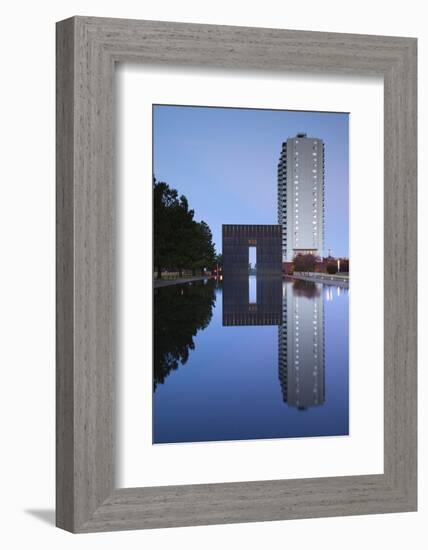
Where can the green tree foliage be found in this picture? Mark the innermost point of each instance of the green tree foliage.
(180, 311)
(201, 248)
(179, 241)
(219, 260)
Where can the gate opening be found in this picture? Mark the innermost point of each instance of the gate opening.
(252, 272)
(252, 260)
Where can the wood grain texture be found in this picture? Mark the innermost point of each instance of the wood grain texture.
(87, 49)
(64, 276)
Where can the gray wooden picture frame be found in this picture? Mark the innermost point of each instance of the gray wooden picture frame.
(87, 50)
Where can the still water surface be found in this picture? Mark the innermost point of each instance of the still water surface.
(250, 358)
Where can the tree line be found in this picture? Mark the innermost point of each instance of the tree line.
(307, 263)
(180, 242)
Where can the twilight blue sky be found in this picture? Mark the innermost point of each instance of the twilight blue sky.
(225, 162)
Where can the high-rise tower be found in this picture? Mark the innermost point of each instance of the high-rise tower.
(301, 196)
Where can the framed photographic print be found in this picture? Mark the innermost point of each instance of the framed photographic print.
(236, 274)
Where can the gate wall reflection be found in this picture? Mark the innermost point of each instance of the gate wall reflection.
(298, 311)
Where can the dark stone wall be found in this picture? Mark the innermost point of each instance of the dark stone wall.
(238, 238)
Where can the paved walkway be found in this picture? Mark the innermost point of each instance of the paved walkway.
(157, 283)
(323, 278)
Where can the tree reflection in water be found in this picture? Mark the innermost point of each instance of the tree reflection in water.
(180, 311)
(308, 289)
(230, 388)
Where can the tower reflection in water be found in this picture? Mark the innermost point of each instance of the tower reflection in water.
(301, 355)
(297, 309)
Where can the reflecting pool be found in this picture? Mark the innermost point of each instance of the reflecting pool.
(250, 358)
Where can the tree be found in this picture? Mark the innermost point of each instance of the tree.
(331, 268)
(202, 248)
(183, 233)
(219, 260)
(179, 241)
(344, 265)
(165, 201)
(304, 262)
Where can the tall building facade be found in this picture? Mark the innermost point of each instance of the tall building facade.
(301, 196)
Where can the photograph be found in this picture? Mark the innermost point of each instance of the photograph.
(250, 274)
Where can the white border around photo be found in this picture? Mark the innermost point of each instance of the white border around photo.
(139, 462)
